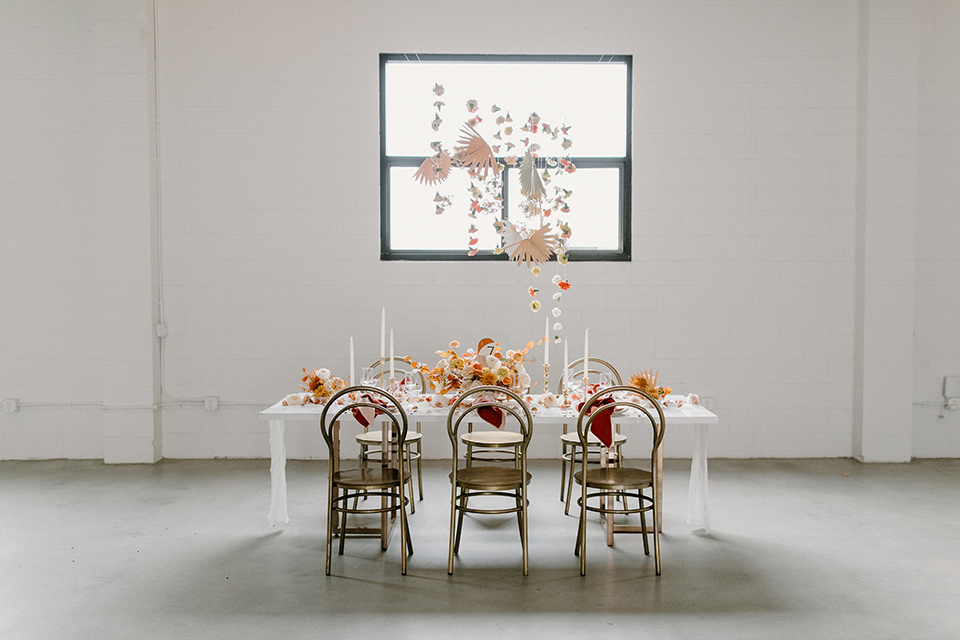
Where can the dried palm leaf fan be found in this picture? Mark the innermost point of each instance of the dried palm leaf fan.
(536, 248)
(434, 169)
(646, 379)
(531, 184)
(474, 152)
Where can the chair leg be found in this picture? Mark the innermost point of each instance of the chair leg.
(413, 504)
(523, 527)
(643, 525)
(404, 527)
(343, 530)
(573, 460)
(330, 516)
(519, 513)
(463, 505)
(576, 547)
(563, 467)
(656, 535)
(582, 532)
(453, 521)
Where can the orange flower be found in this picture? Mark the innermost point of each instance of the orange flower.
(563, 284)
(454, 344)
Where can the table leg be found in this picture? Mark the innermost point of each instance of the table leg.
(698, 510)
(278, 474)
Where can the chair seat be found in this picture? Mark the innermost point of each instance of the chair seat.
(616, 478)
(592, 440)
(376, 437)
(492, 438)
(489, 478)
(368, 478)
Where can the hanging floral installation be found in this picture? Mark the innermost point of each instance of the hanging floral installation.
(483, 148)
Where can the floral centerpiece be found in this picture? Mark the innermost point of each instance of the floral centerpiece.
(647, 381)
(458, 372)
(320, 384)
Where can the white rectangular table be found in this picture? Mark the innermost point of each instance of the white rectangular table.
(434, 419)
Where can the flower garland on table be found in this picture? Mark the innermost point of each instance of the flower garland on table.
(458, 372)
(318, 386)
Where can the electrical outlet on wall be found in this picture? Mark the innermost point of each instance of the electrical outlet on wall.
(11, 405)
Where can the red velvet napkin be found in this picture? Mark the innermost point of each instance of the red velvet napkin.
(493, 415)
(602, 427)
(365, 415)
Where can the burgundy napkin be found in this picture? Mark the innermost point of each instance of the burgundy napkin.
(493, 415)
(601, 426)
(365, 415)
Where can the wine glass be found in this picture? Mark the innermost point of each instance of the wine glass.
(368, 377)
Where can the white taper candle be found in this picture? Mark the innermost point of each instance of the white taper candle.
(353, 380)
(586, 360)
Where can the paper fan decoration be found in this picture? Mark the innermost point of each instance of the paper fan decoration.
(536, 248)
(531, 185)
(434, 169)
(474, 152)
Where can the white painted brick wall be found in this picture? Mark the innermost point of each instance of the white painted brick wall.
(937, 344)
(742, 283)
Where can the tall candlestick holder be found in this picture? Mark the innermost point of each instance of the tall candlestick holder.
(546, 378)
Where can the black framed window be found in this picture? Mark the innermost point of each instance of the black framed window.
(591, 95)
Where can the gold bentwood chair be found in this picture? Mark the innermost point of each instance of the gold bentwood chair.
(610, 482)
(385, 481)
(607, 375)
(371, 441)
(489, 480)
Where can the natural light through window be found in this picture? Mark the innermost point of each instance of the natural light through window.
(588, 95)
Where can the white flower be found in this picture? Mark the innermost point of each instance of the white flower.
(550, 400)
(556, 312)
(323, 374)
(524, 380)
(520, 370)
(556, 296)
(493, 362)
(557, 340)
(557, 326)
(556, 279)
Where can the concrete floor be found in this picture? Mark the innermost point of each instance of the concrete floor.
(182, 549)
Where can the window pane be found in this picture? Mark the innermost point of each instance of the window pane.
(589, 97)
(594, 216)
(414, 225)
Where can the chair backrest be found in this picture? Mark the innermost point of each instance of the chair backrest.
(509, 402)
(600, 370)
(625, 396)
(359, 397)
(402, 366)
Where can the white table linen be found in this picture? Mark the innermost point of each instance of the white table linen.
(431, 417)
